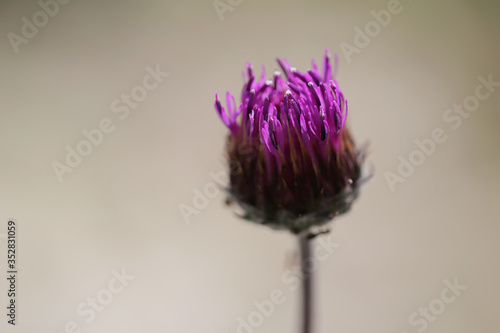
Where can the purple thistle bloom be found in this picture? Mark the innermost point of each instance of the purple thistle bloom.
(293, 163)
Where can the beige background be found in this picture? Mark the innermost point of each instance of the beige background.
(119, 208)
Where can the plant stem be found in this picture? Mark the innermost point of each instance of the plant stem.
(307, 282)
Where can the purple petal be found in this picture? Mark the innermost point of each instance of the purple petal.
(220, 109)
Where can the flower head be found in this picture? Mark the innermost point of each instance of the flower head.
(293, 163)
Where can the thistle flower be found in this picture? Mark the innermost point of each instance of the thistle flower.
(293, 163)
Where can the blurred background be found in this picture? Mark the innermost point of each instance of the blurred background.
(132, 206)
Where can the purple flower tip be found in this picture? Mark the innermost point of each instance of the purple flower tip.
(293, 162)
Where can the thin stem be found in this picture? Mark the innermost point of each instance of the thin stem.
(307, 282)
